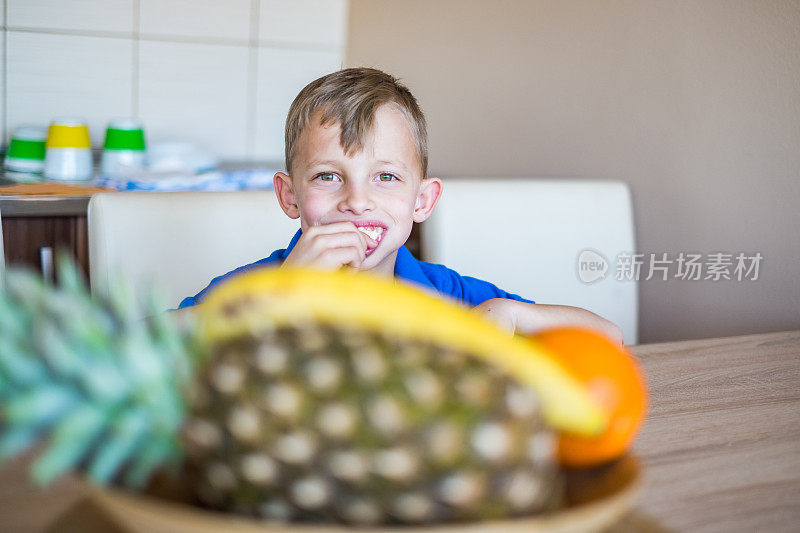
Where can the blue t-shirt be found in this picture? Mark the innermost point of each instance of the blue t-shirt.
(437, 278)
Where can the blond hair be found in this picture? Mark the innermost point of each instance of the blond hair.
(350, 97)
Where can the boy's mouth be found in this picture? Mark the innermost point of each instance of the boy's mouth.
(374, 232)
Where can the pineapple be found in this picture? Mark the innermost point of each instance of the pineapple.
(296, 395)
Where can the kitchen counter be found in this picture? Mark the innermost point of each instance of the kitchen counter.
(49, 205)
(43, 206)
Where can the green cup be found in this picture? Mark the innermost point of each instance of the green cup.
(124, 147)
(26, 150)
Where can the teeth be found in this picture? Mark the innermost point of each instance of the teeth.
(374, 232)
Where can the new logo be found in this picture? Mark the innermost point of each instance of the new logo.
(591, 266)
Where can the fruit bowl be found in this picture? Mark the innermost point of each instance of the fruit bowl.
(596, 498)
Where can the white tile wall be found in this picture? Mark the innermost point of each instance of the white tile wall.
(2, 84)
(222, 73)
(197, 18)
(303, 22)
(67, 75)
(197, 92)
(89, 15)
(2, 73)
(281, 75)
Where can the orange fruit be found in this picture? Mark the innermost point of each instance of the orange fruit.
(614, 380)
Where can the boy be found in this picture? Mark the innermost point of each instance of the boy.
(357, 164)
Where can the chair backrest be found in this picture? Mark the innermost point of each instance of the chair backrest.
(181, 240)
(527, 235)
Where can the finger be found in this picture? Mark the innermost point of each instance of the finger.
(369, 240)
(356, 257)
(334, 227)
(343, 227)
(361, 236)
(338, 257)
(339, 240)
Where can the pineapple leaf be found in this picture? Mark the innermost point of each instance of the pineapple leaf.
(122, 302)
(105, 387)
(36, 407)
(17, 366)
(126, 435)
(12, 322)
(16, 441)
(70, 278)
(71, 440)
(50, 342)
(26, 288)
(153, 455)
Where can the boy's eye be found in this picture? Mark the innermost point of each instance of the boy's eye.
(326, 176)
(385, 176)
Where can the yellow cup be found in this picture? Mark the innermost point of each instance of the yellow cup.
(68, 154)
(68, 133)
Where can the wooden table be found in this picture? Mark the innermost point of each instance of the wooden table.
(721, 446)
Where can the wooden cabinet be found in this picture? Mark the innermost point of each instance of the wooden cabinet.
(35, 228)
(34, 241)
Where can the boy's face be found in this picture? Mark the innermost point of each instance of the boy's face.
(380, 186)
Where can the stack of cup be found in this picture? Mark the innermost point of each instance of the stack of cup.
(26, 149)
(124, 147)
(69, 153)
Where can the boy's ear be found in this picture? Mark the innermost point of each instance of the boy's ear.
(285, 193)
(429, 192)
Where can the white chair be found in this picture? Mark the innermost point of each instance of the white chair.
(181, 240)
(526, 236)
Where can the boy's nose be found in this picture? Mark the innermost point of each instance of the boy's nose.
(356, 200)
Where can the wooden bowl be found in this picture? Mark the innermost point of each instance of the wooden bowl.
(596, 499)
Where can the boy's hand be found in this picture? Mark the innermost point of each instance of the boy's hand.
(331, 246)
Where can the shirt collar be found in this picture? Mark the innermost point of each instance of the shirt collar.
(292, 243)
(406, 266)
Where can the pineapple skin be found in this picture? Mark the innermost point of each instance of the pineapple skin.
(321, 423)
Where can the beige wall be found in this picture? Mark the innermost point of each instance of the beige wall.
(695, 104)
